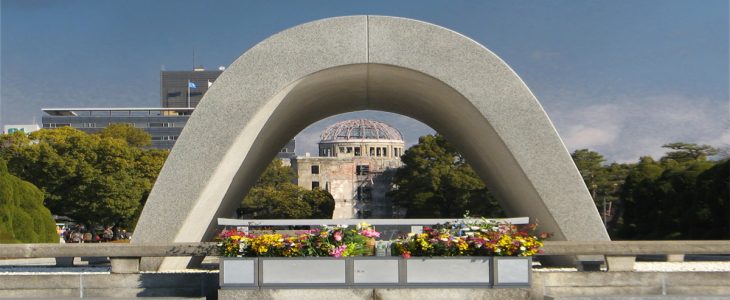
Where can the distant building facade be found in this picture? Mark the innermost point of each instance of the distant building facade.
(180, 93)
(356, 164)
(164, 125)
(21, 128)
(175, 85)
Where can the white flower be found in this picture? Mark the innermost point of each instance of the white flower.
(523, 248)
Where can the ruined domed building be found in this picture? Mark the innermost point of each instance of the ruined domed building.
(356, 163)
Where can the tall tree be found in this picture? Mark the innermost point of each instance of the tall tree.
(133, 136)
(683, 196)
(436, 181)
(90, 178)
(686, 152)
(710, 209)
(274, 196)
(602, 181)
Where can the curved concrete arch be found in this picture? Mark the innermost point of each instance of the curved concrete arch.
(337, 65)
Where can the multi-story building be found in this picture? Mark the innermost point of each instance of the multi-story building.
(356, 164)
(185, 88)
(163, 124)
(180, 93)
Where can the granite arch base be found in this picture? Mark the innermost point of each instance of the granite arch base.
(337, 65)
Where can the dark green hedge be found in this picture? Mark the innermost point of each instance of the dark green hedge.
(23, 218)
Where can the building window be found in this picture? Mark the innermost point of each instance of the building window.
(372, 151)
(173, 94)
(88, 125)
(315, 169)
(56, 125)
(378, 152)
(362, 169)
(349, 149)
(385, 152)
(357, 151)
(315, 184)
(162, 124)
(165, 138)
(342, 149)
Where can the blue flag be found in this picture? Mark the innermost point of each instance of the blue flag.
(191, 85)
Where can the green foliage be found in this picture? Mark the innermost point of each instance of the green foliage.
(683, 196)
(94, 179)
(23, 218)
(709, 213)
(684, 152)
(602, 181)
(436, 181)
(133, 136)
(275, 197)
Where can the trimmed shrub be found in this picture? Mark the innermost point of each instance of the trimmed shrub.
(23, 218)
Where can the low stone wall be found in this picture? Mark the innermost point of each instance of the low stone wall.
(54, 286)
(593, 284)
(379, 294)
(546, 285)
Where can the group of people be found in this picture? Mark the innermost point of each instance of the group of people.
(80, 234)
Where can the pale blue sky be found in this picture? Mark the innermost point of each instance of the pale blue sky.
(618, 77)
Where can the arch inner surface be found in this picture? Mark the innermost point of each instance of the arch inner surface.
(338, 65)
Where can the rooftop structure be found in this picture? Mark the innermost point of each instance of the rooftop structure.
(163, 124)
(359, 130)
(356, 163)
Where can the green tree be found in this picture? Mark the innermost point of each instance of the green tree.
(436, 181)
(133, 136)
(90, 178)
(23, 218)
(709, 216)
(686, 152)
(274, 196)
(683, 196)
(602, 181)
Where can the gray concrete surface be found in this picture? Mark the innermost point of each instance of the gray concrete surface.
(125, 265)
(338, 65)
(380, 294)
(620, 263)
(109, 285)
(558, 284)
(630, 284)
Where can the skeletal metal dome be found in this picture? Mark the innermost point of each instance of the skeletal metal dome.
(361, 129)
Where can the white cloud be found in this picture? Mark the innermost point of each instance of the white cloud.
(620, 127)
(626, 127)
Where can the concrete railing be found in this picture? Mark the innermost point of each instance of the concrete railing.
(125, 257)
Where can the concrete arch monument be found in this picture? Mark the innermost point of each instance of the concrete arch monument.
(337, 65)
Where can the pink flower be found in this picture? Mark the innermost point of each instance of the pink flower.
(370, 233)
(338, 236)
(337, 252)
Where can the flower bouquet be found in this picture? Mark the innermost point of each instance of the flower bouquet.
(478, 238)
(338, 241)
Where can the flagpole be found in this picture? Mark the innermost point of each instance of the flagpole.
(188, 93)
